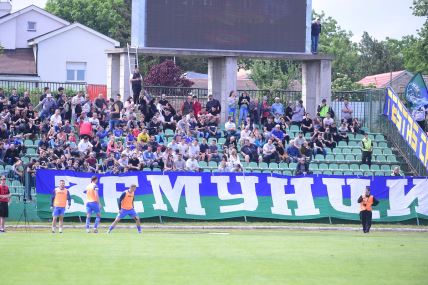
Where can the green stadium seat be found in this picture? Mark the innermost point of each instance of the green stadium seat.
(387, 151)
(25, 159)
(342, 144)
(28, 143)
(212, 164)
(283, 165)
(207, 170)
(333, 166)
(257, 170)
(31, 152)
(169, 133)
(146, 169)
(359, 137)
(327, 172)
(364, 167)
(267, 171)
(379, 173)
(337, 172)
(391, 158)
(287, 173)
(317, 172)
(358, 173)
(385, 167)
(263, 165)
(367, 173)
(380, 158)
(347, 151)
(277, 171)
(383, 145)
(348, 173)
(339, 157)
(337, 150)
(328, 150)
(354, 167)
(356, 151)
(329, 157)
(273, 165)
(375, 167)
(156, 169)
(379, 138)
(221, 141)
(352, 144)
(36, 143)
(344, 167)
(292, 166)
(313, 166)
(203, 164)
(319, 157)
(349, 157)
(295, 128)
(377, 151)
(323, 166)
(358, 157)
(253, 165)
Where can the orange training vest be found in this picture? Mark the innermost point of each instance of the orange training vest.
(92, 193)
(60, 197)
(128, 201)
(366, 204)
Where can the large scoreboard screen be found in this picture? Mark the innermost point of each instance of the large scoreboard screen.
(244, 25)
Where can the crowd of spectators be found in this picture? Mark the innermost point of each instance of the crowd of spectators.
(114, 136)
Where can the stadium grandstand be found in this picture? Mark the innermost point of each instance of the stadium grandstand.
(171, 129)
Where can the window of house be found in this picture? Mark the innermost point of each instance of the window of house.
(76, 71)
(31, 26)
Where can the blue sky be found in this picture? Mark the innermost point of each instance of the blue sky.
(381, 18)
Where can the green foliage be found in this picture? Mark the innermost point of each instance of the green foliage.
(274, 74)
(109, 17)
(344, 83)
(336, 41)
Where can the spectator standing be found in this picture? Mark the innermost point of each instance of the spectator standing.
(420, 116)
(231, 105)
(265, 110)
(323, 109)
(187, 106)
(197, 107)
(244, 105)
(137, 84)
(277, 109)
(4, 203)
(315, 35)
(298, 113)
(347, 112)
(367, 149)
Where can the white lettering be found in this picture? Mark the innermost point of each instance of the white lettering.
(111, 195)
(399, 202)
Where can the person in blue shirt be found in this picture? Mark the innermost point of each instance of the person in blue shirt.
(277, 108)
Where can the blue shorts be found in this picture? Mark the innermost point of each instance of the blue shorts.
(92, 207)
(58, 211)
(123, 213)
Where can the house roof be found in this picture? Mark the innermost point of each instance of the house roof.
(382, 80)
(18, 62)
(11, 16)
(56, 32)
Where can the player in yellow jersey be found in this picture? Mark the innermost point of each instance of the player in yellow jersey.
(93, 205)
(126, 207)
(60, 197)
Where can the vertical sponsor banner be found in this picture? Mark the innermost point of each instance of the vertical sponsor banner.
(409, 129)
(205, 196)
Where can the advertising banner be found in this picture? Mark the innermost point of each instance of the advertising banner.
(206, 196)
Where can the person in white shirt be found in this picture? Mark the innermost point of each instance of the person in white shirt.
(230, 127)
(183, 148)
(95, 122)
(194, 149)
(269, 152)
(192, 164)
(56, 118)
(245, 134)
(328, 120)
(84, 145)
(234, 158)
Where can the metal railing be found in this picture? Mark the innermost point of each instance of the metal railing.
(413, 164)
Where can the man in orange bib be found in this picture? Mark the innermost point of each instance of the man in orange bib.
(126, 207)
(366, 202)
(60, 197)
(93, 205)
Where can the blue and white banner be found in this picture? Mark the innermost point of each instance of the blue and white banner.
(226, 195)
(409, 129)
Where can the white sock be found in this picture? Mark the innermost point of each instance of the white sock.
(60, 229)
(53, 229)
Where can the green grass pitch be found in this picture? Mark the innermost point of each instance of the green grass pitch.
(207, 257)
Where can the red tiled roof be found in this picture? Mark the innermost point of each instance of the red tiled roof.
(240, 84)
(380, 80)
(18, 62)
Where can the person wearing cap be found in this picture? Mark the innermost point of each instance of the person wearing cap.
(367, 201)
(126, 208)
(4, 203)
(315, 35)
(366, 149)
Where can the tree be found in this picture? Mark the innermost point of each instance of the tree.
(274, 74)
(416, 54)
(344, 83)
(166, 74)
(109, 17)
(336, 41)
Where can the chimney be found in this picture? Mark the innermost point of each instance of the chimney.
(5, 7)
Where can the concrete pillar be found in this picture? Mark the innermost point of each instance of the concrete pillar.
(316, 84)
(125, 74)
(222, 76)
(113, 68)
